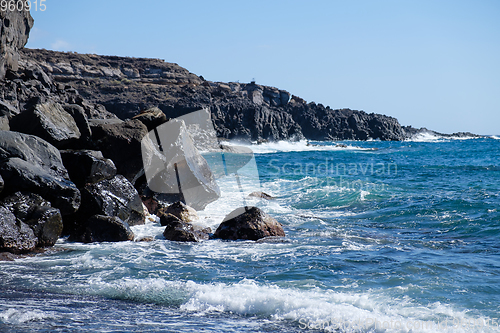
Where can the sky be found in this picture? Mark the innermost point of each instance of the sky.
(428, 63)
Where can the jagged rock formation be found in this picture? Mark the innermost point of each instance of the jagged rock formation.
(127, 86)
(15, 27)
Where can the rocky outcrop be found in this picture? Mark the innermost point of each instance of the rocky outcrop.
(127, 86)
(15, 28)
(249, 223)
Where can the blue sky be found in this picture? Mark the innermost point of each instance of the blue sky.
(433, 64)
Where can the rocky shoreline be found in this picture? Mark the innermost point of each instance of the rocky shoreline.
(71, 127)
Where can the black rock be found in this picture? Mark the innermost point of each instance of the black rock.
(33, 150)
(15, 235)
(113, 197)
(248, 223)
(48, 121)
(122, 143)
(100, 228)
(87, 166)
(20, 175)
(78, 114)
(38, 214)
(180, 231)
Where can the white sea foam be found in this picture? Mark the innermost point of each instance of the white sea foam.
(433, 137)
(495, 137)
(295, 146)
(19, 316)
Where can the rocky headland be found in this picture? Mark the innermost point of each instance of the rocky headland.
(71, 127)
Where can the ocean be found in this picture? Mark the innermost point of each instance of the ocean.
(381, 237)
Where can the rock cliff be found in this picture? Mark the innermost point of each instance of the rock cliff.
(126, 86)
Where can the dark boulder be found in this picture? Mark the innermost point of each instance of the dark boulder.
(113, 197)
(48, 121)
(20, 175)
(181, 211)
(180, 231)
(121, 143)
(87, 166)
(15, 235)
(100, 228)
(248, 223)
(33, 150)
(38, 214)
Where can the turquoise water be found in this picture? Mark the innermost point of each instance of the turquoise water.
(381, 237)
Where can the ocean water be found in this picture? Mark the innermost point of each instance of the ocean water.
(381, 237)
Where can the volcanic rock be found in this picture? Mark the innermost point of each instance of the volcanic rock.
(15, 235)
(178, 230)
(87, 166)
(48, 121)
(181, 211)
(121, 142)
(248, 223)
(100, 228)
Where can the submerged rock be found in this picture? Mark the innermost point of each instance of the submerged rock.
(15, 235)
(100, 228)
(248, 223)
(259, 194)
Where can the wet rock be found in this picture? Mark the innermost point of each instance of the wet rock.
(180, 231)
(113, 197)
(248, 223)
(259, 194)
(7, 256)
(122, 143)
(152, 118)
(25, 176)
(172, 165)
(181, 211)
(15, 235)
(1, 184)
(87, 166)
(100, 228)
(48, 121)
(37, 213)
